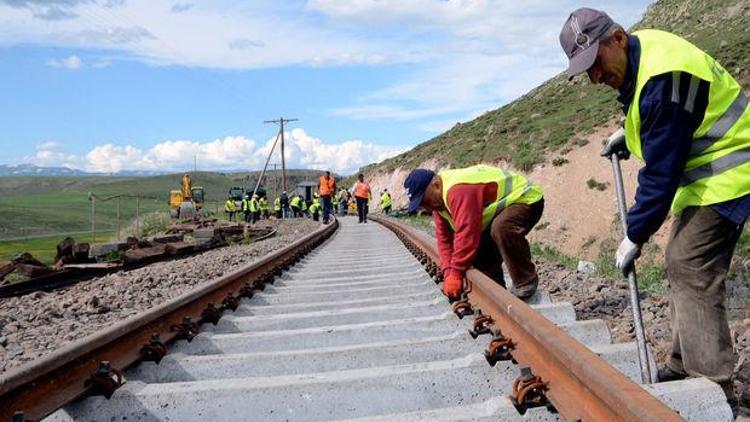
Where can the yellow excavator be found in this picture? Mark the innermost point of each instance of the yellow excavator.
(187, 201)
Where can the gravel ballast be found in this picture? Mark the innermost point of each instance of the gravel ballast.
(39, 323)
(598, 297)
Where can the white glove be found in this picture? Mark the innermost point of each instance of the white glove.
(616, 145)
(626, 255)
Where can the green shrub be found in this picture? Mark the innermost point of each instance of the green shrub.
(560, 161)
(542, 226)
(600, 186)
(550, 253)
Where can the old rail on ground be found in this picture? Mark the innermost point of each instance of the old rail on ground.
(72, 275)
(92, 365)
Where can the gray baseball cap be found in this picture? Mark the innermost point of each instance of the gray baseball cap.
(580, 36)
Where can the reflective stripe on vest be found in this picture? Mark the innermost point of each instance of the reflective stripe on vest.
(718, 168)
(512, 188)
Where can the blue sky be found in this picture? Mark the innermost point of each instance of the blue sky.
(109, 85)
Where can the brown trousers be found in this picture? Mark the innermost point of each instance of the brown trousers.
(698, 255)
(505, 241)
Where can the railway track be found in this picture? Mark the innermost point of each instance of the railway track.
(358, 330)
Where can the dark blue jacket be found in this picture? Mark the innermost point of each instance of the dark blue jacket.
(669, 117)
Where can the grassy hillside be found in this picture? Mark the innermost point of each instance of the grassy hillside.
(40, 205)
(549, 119)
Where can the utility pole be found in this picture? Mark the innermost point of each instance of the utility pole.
(275, 181)
(281, 122)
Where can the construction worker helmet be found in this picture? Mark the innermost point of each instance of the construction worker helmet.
(315, 195)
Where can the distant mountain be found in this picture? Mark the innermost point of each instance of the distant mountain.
(33, 170)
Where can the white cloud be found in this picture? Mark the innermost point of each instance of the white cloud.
(455, 56)
(54, 154)
(488, 52)
(71, 62)
(111, 158)
(305, 151)
(230, 153)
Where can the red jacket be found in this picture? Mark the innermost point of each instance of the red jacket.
(458, 249)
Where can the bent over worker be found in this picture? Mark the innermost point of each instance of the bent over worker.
(385, 202)
(482, 216)
(688, 120)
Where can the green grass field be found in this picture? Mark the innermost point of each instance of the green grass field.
(44, 248)
(43, 205)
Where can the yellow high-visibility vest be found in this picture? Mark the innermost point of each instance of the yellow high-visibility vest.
(512, 188)
(718, 168)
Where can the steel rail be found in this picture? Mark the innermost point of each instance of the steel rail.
(42, 386)
(580, 384)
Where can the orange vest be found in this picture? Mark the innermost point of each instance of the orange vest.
(326, 186)
(363, 190)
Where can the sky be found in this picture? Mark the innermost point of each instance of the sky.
(163, 85)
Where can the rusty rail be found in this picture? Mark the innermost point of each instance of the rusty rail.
(91, 365)
(577, 382)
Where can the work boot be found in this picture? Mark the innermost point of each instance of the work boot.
(527, 290)
(668, 374)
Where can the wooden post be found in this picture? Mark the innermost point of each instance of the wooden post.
(137, 216)
(92, 198)
(118, 217)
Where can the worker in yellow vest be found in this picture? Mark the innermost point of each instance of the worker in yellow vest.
(687, 118)
(230, 208)
(316, 207)
(254, 208)
(303, 207)
(246, 207)
(296, 205)
(385, 201)
(263, 206)
(482, 215)
(277, 207)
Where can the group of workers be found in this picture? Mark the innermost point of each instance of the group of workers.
(252, 207)
(687, 119)
(255, 207)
